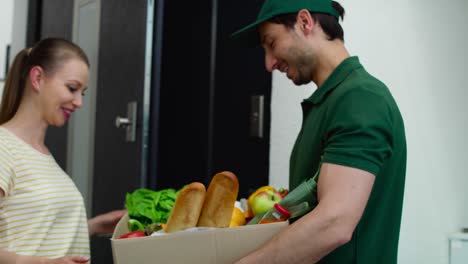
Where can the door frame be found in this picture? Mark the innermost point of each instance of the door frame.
(81, 128)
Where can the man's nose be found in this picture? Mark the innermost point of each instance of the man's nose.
(270, 62)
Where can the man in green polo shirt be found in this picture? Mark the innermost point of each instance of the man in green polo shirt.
(352, 133)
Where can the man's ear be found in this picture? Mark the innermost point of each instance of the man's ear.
(36, 76)
(305, 21)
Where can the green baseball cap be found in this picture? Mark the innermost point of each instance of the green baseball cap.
(271, 8)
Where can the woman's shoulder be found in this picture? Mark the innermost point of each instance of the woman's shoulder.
(5, 134)
(7, 140)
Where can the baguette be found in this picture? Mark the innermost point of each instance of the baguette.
(219, 201)
(187, 207)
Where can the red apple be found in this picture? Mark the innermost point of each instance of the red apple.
(264, 200)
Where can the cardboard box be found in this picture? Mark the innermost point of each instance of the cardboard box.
(217, 246)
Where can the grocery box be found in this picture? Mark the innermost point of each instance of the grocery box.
(214, 246)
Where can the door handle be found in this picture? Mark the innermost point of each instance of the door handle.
(122, 122)
(128, 122)
(256, 115)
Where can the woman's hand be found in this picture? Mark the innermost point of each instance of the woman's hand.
(42, 260)
(7, 257)
(105, 223)
(67, 260)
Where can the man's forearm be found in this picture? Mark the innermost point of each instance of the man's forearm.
(306, 241)
(343, 193)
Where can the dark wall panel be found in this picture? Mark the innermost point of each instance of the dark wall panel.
(33, 26)
(240, 74)
(205, 96)
(184, 94)
(117, 163)
(57, 21)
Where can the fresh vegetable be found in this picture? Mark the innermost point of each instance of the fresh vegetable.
(155, 227)
(146, 207)
(261, 189)
(238, 218)
(135, 224)
(264, 201)
(133, 234)
(300, 200)
(283, 192)
(249, 214)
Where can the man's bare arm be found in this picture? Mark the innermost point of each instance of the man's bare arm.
(343, 193)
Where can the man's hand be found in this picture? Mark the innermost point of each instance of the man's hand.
(105, 223)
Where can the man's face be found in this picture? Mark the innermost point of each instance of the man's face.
(286, 50)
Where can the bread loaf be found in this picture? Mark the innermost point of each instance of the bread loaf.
(187, 208)
(219, 201)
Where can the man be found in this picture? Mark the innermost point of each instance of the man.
(352, 132)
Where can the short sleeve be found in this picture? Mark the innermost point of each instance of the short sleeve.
(359, 134)
(6, 169)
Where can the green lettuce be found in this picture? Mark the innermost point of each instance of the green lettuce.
(146, 207)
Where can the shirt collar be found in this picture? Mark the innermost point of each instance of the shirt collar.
(336, 77)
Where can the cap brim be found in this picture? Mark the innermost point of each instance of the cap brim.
(247, 36)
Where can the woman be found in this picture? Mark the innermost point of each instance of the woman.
(42, 214)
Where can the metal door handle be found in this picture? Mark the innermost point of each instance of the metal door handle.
(129, 122)
(256, 115)
(122, 122)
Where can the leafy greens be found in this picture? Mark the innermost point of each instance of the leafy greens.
(146, 206)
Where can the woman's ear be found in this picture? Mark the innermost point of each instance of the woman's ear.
(36, 75)
(305, 21)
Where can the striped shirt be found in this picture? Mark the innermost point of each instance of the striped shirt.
(42, 212)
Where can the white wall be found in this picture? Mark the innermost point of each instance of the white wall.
(19, 23)
(13, 18)
(6, 18)
(418, 48)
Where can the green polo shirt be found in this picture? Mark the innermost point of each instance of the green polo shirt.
(353, 120)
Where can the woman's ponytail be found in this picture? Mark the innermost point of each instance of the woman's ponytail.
(14, 87)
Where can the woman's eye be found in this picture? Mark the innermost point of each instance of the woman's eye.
(72, 89)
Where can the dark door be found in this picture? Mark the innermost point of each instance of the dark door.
(121, 75)
(183, 126)
(241, 137)
(206, 89)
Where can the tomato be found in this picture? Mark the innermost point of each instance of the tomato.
(133, 234)
(283, 192)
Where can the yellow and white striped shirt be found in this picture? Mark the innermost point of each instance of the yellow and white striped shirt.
(42, 212)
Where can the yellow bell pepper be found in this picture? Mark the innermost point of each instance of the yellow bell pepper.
(238, 218)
